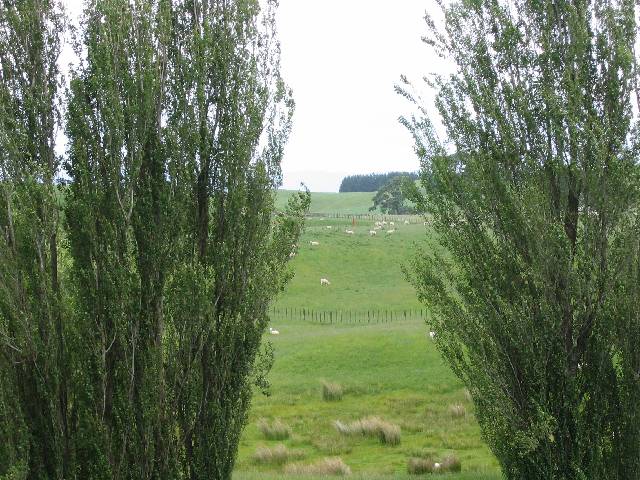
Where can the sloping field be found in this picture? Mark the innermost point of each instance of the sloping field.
(330, 202)
(387, 369)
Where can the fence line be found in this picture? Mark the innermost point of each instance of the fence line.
(369, 216)
(363, 317)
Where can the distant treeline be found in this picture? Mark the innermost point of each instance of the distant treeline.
(371, 182)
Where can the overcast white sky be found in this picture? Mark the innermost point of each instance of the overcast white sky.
(342, 59)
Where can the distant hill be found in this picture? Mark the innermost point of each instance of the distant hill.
(371, 182)
(323, 202)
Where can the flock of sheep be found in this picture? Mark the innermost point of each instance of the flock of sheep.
(388, 227)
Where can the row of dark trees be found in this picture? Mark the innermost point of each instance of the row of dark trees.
(132, 302)
(371, 182)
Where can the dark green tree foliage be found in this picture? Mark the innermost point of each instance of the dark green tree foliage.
(177, 121)
(371, 182)
(33, 388)
(228, 117)
(119, 217)
(534, 288)
(392, 197)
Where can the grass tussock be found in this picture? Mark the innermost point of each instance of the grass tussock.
(276, 430)
(332, 446)
(420, 466)
(326, 466)
(457, 410)
(278, 455)
(388, 433)
(331, 392)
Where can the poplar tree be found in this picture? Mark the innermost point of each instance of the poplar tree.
(119, 228)
(533, 280)
(34, 424)
(228, 117)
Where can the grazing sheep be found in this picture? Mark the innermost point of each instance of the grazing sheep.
(349, 232)
(389, 232)
(406, 222)
(432, 335)
(384, 222)
(273, 332)
(328, 227)
(292, 254)
(324, 281)
(313, 243)
(373, 233)
(425, 223)
(436, 466)
(391, 224)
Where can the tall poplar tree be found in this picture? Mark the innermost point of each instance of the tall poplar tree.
(534, 190)
(177, 121)
(34, 435)
(228, 117)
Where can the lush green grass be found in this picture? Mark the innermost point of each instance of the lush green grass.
(329, 202)
(390, 370)
(365, 272)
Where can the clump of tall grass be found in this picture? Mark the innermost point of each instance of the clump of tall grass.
(326, 466)
(331, 392)
(278, 455)
(457, 410)
(419, 466)
(332, 445)
(388, 433)
(276, 430)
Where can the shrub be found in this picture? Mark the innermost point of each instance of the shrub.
(277, 430)
(326, 466)
(277, 455)
(388, 433)
(331, 392)
(457, 410)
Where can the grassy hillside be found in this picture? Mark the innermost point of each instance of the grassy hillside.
(391, 370)
(329, 202)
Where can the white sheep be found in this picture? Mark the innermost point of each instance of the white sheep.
(273, 332)
(391, 224)
(406, 222)
(432, 335)
(292, 254)
(436, 466)
(389, 232)
(313, 243)
(384, 222)
(324, 281)
(349, 232)
(328, 227)
(373, 233)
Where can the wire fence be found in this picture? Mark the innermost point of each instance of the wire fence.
(374, 217)
(362, 317)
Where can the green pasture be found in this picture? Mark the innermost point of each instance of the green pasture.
(331, 202)
(391, 370)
